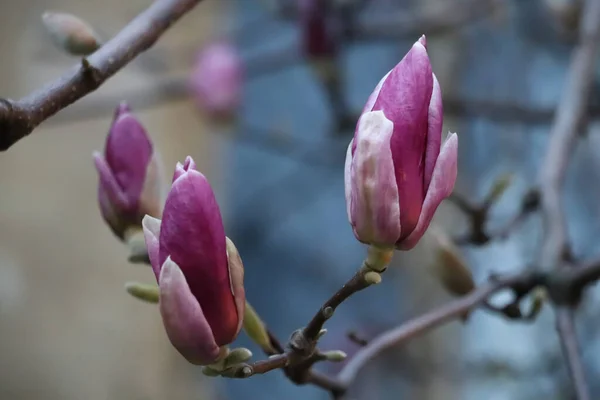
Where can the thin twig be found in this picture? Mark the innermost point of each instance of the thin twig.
(565, 326)
(19, 118)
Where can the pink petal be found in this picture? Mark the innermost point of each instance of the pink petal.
(184, 319)
(128, 152)
(109, 184)
(423, 41)
(375, 206)
(404, 98)
(348, 180)
(442, 184)
(434, 131)
(151, 198)
(181, 169)
(236, 277)
(151, 228)
(373, 96)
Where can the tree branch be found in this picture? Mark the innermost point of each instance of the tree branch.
(570, 117)
(19, 118)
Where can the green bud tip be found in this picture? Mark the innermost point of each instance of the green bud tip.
(372, 278)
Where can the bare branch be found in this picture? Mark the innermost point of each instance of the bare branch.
(19, 118)
(565, 326)
(568, 121)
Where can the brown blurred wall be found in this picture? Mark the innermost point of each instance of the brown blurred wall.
(67, 328)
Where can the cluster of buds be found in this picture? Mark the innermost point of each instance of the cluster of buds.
(216, 81)
(396, 175)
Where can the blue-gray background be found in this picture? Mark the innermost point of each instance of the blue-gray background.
(288, 217)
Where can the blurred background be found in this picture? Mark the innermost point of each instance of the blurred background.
(69, 331)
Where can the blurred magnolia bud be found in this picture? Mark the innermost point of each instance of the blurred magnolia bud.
(216, 81)
(143, 291)
(498, 188)
(396, 176)
(565, 13)
(318, 37)
(71, 33)
(199, 270)
(449, 266)
(130, 183)
(256, 329)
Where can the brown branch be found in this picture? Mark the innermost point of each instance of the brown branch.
(567, 284)
(19, 118)
(565, 326)
(570, 117)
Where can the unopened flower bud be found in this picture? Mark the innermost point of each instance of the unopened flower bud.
(71, 33)
(216, 81)
(449, 267)
(130, 182)
(396, 176)
(199, 271)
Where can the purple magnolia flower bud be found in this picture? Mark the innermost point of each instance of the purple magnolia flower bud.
(318, 37)
(396, 175)
(129, 171)
(216, 80)
(199, 271)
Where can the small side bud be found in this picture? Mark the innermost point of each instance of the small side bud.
(237, 356)
(372, 278)
(449, 266)
(322, 333)
(71, 33)
(143, 291)
(256, 330)
(334, 355)
(537, 303)
(138, 254)
(498, 188)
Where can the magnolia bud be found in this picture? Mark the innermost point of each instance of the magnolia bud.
(71, 33)
(130, 183)
(216, 81)
(396, 176)
(334, 355)
(199, 271)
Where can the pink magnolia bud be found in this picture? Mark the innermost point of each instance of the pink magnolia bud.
(198, 269)
(216, 80)
(395, 174)
(317, 36)
(129, 174)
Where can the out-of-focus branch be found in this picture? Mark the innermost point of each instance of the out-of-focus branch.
(570, 116)
(19, 118)
(478, 215)
(560, 284)
(447, 17)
